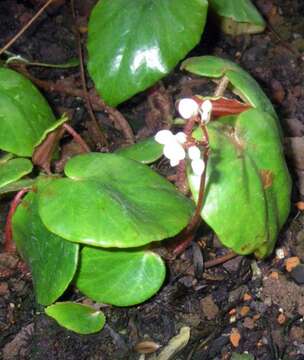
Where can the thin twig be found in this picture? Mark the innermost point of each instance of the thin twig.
(25, 27)
(220, 260)
(98, 104)
(98, 132)
(77, 137)
(221, 86)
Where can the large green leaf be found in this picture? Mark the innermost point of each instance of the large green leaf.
(111, 201)
(24, 114)
(79, 318)
(238, 16)
(145, 151)
(132, 44)
(13, 170)
(120, 278)
(248, 185)
(52, 260)
(242, 83)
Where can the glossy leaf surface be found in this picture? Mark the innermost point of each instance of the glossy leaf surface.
(132, 44)
(145, 151)
(79, 318)
(111, 201)
(24, 114)
(248, 185)
(13, 170)
(238, 16)
(52, 260)
(118, 277)
(242, 83)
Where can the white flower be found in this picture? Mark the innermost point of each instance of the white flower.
(194, 152)
(198, 166)
(173, 145)
(187, 108)
(205, 111)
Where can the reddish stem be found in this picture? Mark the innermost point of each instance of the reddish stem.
(220, 260)
(187, 235)
(9, 246)
(77, 137)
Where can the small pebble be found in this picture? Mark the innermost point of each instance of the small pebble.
(280, 253)
(281, 319)
(235, 337)
(291, 263)
(297, 274)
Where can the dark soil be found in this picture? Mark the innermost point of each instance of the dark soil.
(260, 302)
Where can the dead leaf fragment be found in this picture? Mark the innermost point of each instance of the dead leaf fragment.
(209, 307)
(235, 337)
(175, 345)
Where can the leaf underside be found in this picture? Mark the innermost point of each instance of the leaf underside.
(238, 16)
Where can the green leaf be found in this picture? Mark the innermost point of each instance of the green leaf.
(244, 356)
(248, 186)
(79, 318)
(111, 201)
(52, 260)
(145, 151)
(133, 44)
(242, 83)
(120, 278)
(238, 16)
(13, 170)
(24, 114)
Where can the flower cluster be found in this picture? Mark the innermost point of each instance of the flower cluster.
(189, 108)
(174, 144)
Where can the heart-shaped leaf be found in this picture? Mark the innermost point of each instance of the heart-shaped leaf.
(248, 186)
(242, 83)
(112, 201)
(52, 260)
(120, 278)
(132, 44)
(238, 16)
(79, 318)
(13, 170)
(24, 114)
(145, 151)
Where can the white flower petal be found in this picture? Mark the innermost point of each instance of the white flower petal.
(174, 162)
(163, 137)
(174, 151)
(206, 109)
(196, 181)
(181, 137)
(194, 152)
(187, 108)
(198, 166)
